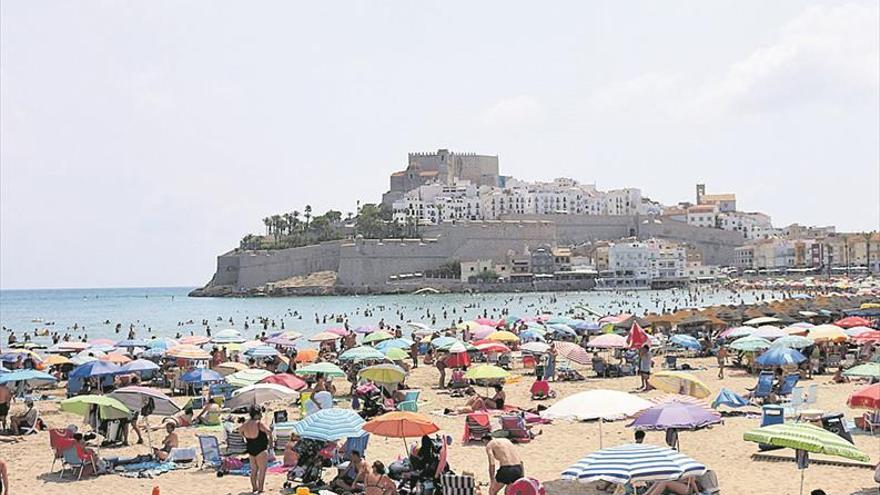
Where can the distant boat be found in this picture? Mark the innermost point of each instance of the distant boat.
(37, 320)
(427, 290)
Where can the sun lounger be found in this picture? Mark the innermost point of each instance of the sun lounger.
(457, 484)
(514, 426)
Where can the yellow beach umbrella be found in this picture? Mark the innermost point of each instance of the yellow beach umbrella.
(679, 382)
(827, 332)
(486, 372)
(467, 325)
(503, 336)
(56, 360)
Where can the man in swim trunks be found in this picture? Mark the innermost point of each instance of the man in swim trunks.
(510, 465)
(5, 402)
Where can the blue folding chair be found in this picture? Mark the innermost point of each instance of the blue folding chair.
(788, 384)
(764, 386)
(210, 447)
(356, 444)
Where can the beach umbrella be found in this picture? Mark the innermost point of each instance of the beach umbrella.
(342, 332)
(117, 358)
(596, 404)
(562, 329)
(131, 343)
(467, 325)
(749, 344)
(853, 321)
(780, 356)
(326, 368)
(807, 438)
(230, 367)
(365, 329)
(287, 380)
(201, 375)
(488, 322)
(439, 342)
(762, 320)
(489, 347)
(135, 398)
(189, 352)
(95, 368)
(401, 424)
(56, 360)
(395, 354)
(870, 336)
(685, 341)
(383, 373)
(637, 336)
(102, 343)
(864, 370)
(486, 372)
(792, 342)
(32, 378)
(865, 398)
(73, 346)
(572, 352)
(247, 377)
(162, 343)
(679, 382)
(261, 352)
(826, 332)
(108, 407)
(258, 394)
(330, 425)
(153, 353)
(530, 336)
(139, 366)
(194, 340)
(306, 355)
(282, 341)
(729, 398)
(482, 331)
(768, 332)
(636, 462)
(503, 336)
(398, 343)
(377, 336)
(362, 353)
(674, 416)
(228, 336)
(684, 399)
(736, 332)
(535, 347)
(608, 341)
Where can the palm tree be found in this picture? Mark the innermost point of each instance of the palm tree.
(268, 223)
(295, 215)
(277, 223)
(308, 214)
(288, 223)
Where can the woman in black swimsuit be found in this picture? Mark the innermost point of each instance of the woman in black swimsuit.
(258, 439)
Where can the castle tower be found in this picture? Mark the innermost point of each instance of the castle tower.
(701, 191)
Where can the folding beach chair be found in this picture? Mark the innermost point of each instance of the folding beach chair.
(235, 443)
(515, 427)
(355, 444)
(73, 458)
(764, 386)
(476, 427)
(59, 439)
(812, 394)
(410, 401)
(457, 484)
(793, 407)
(788, 384)
(210, 448)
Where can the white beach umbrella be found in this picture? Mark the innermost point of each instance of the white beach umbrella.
(597, 404)
(259, 393)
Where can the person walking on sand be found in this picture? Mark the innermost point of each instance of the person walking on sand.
(721, 356)
(645, 367)
(4, 478)
(257, 438)
(510, 465)
(5, 403)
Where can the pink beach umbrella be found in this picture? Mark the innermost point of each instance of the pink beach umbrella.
(486, 321)
(342, 332)
(195, 340)
(102, 342)
(481, 332)
(769, 333)
(608, 341)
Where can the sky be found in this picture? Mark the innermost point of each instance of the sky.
(139, 140)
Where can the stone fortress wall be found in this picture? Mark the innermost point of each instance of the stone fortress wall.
(368, 263)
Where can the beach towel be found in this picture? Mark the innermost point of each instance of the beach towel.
(148, 469)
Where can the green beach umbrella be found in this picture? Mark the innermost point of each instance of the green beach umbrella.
(384, 373)
(750, 344)
(486, 372)
(792, 342)
(328, 369)
(377, 337)
(361, 353)
(807, 438)
(108, 407)
(866, 370)
(395, 354)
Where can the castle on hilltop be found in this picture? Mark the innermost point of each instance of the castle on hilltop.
(444, 167)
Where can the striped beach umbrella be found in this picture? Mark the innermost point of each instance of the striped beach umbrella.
(864, 370)
(362, 353)
(805, 436)
(247, 377)
(326, 368)
(792, 342)
(632, 463)
(572, 352)
(261, 351)
(330, 425)
(749, 344)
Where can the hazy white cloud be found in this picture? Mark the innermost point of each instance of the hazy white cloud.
(826, 55)
(517, 111)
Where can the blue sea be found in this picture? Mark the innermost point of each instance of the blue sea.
(168, 311)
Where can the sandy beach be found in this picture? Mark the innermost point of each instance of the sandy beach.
(560, 444)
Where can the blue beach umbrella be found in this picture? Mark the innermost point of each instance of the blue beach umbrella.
(139, 366)
(531, 336)
(95, 368)
(154, 353)
(131, 343)
(780, 356)
(443, 341)
(262, 351)
(201, 375)
(162, 343)
(633, 462)
(562, 329)
(686, 341)
(729, 398)
(330, 425)
(397, 343)
(30, 377)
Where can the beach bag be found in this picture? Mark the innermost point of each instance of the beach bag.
(231, 464)
(525, 486)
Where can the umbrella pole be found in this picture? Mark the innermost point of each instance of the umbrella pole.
(802, 481)
(600, 432)
(149, 433)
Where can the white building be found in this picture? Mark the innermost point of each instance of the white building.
(435, 203)
(702, 216)
(623, 201)
(752, 226)
(648, 260)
